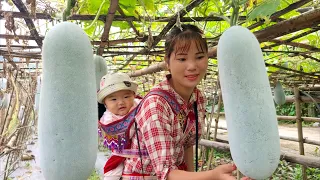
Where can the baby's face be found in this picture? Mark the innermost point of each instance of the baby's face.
(120, 102)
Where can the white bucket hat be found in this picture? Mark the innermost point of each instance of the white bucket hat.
(111, 83)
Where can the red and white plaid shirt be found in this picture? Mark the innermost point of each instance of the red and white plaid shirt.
(161, 133)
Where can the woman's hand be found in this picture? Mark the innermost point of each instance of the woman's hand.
(224, 172)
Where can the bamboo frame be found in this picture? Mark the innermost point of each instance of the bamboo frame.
(305, 140)
(313, 162)
(292, 118)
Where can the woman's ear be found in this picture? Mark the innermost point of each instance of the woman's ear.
(166, 60)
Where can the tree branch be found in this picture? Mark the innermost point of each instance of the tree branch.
(277, 14)
(105, 35)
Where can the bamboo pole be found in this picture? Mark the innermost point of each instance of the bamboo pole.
(218, 116)
(299, 126)
(149, 70)
(313, 162)
(216, 129)
(307, 119)
(208, 130)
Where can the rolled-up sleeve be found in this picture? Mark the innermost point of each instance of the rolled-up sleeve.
(157, 135)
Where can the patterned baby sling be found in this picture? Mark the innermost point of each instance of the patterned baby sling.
(118, 132)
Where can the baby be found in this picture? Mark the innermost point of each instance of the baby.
(117, 92)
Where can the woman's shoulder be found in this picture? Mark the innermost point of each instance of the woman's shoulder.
(153, 103)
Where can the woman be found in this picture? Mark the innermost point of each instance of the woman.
(167, 138)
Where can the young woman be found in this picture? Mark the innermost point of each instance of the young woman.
(168, 139)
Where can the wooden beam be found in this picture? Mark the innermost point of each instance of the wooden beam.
(31, 56)
(173, 19)
(293, 70)
(313, 162)
(133, 53)
(26, 15)
(303, 99)
(33, 31)
(310, 88)
(116, 17)
(166, 29)
(296, 44)
(156, 19)
(310, 57)
(129, 22)
(294, 37)
(293, 118)
(20, 46)
(277, 14)
(23, 37)
(149, 70)
(305, 20)
(24, 62)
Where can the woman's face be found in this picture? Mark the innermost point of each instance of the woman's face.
(188, 66)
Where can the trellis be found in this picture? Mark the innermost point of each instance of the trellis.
(152, 46)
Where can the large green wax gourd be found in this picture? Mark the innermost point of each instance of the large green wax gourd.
(248, 102)
(68, 106)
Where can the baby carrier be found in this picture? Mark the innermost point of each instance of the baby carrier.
(118, 137)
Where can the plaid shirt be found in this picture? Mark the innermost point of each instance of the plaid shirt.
(161, 133)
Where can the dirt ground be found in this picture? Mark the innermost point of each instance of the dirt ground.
(30, 170)
(311, 133)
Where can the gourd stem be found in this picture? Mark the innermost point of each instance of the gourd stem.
(97, 16)
(66, 12)
(235, 13)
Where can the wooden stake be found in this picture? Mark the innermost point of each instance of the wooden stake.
(218, 116)
(239, 175)
(299, 126)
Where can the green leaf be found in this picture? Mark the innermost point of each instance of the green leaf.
(313, 39)
(92, 6)
(121, 25)
(264, 9)
(273, 69)
(91, 30)
(128, 3)
(129, 7)
(148, 4)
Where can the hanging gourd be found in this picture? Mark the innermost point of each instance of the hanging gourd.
(37, 96)
(68, 107)
(5, 101)
(250, 111)
(279, 96)
(100, 67)
(3, 84)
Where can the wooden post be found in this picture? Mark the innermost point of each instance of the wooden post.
(299, 126)
(218, 116)
(203, 154)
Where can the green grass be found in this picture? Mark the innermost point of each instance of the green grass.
(94, 175)
(285, 170)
